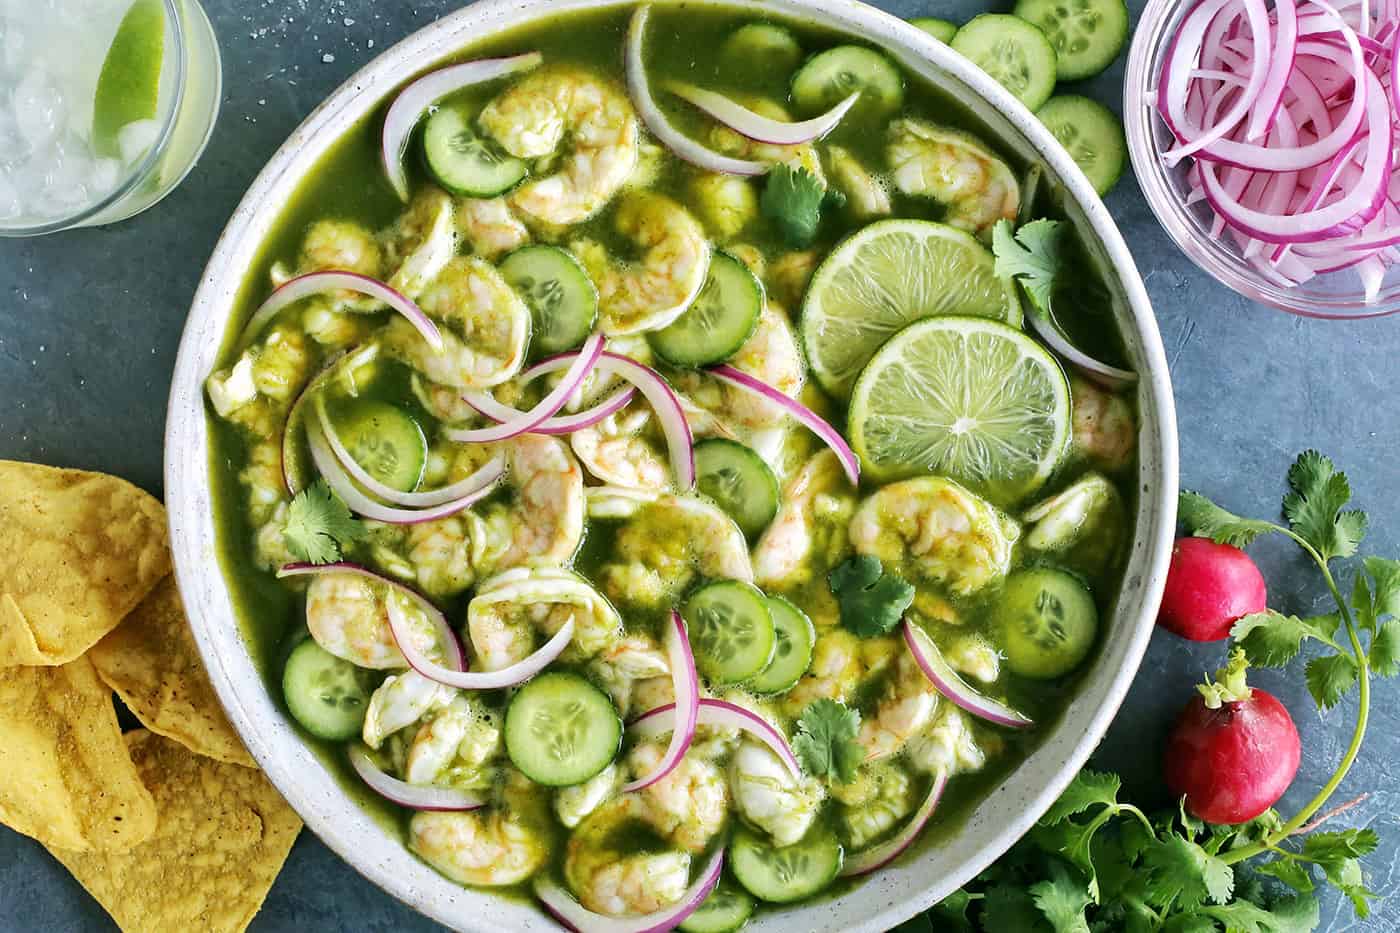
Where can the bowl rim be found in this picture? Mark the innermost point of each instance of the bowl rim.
(886, 898)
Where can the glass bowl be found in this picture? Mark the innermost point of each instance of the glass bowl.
(1336, 295)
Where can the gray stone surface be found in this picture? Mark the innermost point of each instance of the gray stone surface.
(89, 323)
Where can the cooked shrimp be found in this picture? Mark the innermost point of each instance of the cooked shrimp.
(489, 226)
(807, 536)
(841, 663)
(689, 806)
(337, 245)
(421, 242)
(653, 292)
(727, 203)
(513, 611)
(573, 804)
(503, 844)
(454, 744)
(905, 708)
(789, 275)
(399, 702)
(441, 554)
(769, 797)
(770, 355)
(866, 195)
(531, 119)
(628, 665)
(932, 529)
(1104, 430)
(621, 452)
(609, 880)
(546, 517)
(282, 365)
(974, 656)
(485, 328)
(947, 744)
(262, 477)
(348, 616)
(879, 797)
(955, 169)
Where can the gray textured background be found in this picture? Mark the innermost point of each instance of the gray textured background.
(90, 320)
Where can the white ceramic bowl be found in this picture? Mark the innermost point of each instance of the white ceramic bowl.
(887, 897)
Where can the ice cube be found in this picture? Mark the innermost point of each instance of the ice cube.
(38, 107)
(14, 46)
(136, 138)
(104, 175)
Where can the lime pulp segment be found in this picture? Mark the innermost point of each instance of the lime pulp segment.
(128, 88)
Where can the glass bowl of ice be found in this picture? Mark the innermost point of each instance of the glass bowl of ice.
(105, 105)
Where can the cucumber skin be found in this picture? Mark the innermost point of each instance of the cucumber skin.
(303, 662)
(1067, 69)
(972, 42)
(1084, 108)
(677, 345)
(752, 522)
(520, 749)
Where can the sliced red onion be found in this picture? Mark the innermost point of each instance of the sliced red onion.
(947, 682)
(315, 283)
(415, 99)
(1266, 105)
(686, 683)
(1110, 377)
(757, 127)
(808, 418)
(876, 857)
(576, 917)
(666, 405)
(361, 504)
(516, 673)
(413, 796)
(560, 424)
(721, 714)
(291, 469)
(461, 489)
(639, 89)
(442, 632)
(547, 408)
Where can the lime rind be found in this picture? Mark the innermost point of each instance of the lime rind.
(882, 279)
(967, 398)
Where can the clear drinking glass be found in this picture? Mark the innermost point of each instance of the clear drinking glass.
(71, 74)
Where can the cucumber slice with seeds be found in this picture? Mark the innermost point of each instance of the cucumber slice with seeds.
(326, 694)
(731, 630)
(563, 300)
(386, 441)
(790, 873)
(561, 730)
(725, 910)
(1087, 34)
(1013, 52)
(831, 76)
(465, 162)
(792, 653)
(1051, 621)
(719, 321)
(739, 481)
(1091, 133)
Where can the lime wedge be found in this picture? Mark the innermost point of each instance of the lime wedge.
(966, 398)
(887, 276)
(128, 88)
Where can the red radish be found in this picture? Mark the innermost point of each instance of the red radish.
(1209, 586)
(1233, 751)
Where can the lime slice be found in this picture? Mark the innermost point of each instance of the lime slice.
(128, 88)
(966, 398)
(887, 276)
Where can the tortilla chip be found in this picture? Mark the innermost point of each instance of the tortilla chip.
(152, 663)
(80, 550)
(65, 776)
(222, 836)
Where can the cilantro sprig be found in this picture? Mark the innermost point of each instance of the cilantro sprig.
(793, 199)
(1034, 255)
(826, 741)
(319, 525)
(1095, 863)
(872, 599)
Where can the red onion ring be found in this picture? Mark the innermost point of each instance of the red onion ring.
(947, 682)
(576, 917)
(686, 683)
(757, 127)
(721, 714)
(868, 860)
(417, 97)
(547, 408)
(413, 796)
(314, 283)
(1110, 377)
(516, 673)
(560, 424)
(291, 470)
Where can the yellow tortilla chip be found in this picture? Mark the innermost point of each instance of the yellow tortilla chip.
(222, 836)
(80, 550)
(152, 663)
(65, 776)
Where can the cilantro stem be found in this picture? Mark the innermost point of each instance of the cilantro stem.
(1358, 734)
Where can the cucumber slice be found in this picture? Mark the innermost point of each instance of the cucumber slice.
(561, 730)
(1087, 34)
(725, 910)
(831, 76)
(1013, 52)
(731, 630)
(790, 873)
(1091, 133)
(465, 162)
(386, 441)
(796, 635)
(326, 694)
(1051, 621)
(756, 47)
(739, 481)
(563, 300)
(940, 29)
(719, 321)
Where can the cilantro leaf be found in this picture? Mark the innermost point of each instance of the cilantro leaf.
(1033, 255)
(1330, 677)
(792, 198)
(1386, 574)
(1062, 899)
(1314, 507)
(1208, 520)
(1385, 649)
(1088, 789)
(319, 525)
(1294, 874)
(1328, 847)
(872, 600)
(826, 740)
(1010, 907)
(1272, 639)
(1180, 870)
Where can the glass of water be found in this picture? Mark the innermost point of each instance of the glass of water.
(104, 107)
